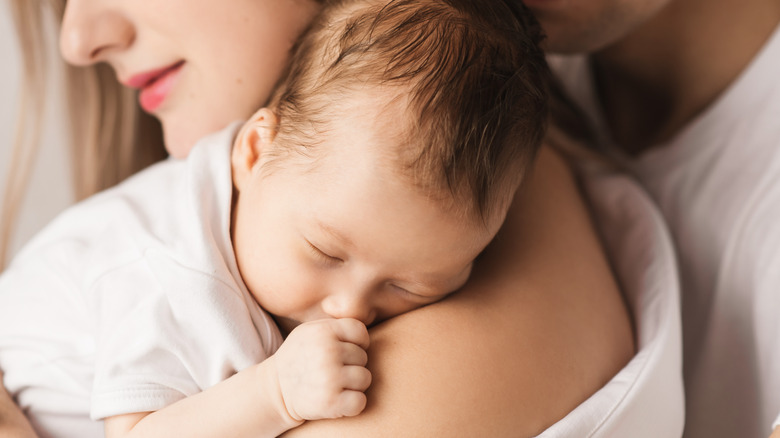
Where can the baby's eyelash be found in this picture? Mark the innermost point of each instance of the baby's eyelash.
(322, 255)
(405, 292)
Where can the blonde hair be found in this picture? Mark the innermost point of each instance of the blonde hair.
(110, 138)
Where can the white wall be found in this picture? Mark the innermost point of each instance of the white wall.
(50, 189)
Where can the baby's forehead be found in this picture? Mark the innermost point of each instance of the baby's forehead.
(368, 121)
(436, 203)
(373, 125)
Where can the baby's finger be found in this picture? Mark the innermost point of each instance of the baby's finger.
(355, 378)
(352, 354)
(351, 330)
(351, 403)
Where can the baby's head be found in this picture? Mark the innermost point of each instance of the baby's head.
(388, 157)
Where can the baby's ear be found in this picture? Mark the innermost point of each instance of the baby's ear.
(257, 134)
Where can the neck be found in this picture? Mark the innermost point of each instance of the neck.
(656, 79)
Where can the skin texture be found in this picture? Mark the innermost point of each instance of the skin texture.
(223, 78)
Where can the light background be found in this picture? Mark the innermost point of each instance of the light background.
(50, 189)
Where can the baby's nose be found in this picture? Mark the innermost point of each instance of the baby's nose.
(349, 305)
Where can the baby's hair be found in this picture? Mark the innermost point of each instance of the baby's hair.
(471, 73)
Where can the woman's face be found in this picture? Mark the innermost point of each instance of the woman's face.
(198, 64)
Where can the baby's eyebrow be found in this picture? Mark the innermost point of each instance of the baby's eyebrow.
(336, 234)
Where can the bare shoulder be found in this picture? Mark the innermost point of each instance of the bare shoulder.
(540, 326)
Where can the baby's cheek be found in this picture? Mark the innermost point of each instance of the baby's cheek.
(294, 296)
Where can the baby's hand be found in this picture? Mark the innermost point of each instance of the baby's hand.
(321, 369)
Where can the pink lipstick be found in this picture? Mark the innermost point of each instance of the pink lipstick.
(155, 85)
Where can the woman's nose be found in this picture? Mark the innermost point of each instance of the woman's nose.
(93, 29)
(348, 304)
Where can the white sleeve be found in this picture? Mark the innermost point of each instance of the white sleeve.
(764, 272)
(767, 326)
(165, 332)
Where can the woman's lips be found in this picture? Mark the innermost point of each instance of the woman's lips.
(155, 85)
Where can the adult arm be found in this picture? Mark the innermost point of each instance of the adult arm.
(776, 433)
(539, 328)
(13, 423)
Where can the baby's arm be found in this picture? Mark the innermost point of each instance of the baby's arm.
(13, 423)
(319, 372)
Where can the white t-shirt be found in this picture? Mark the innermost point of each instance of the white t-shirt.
(717, 183)
(131, 300)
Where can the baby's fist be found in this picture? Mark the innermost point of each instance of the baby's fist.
(321, 369)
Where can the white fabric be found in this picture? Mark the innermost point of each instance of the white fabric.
(131, 300)
(645, 399)
(717, 184)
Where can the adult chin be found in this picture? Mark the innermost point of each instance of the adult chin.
(573, 27)
(565, 35)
